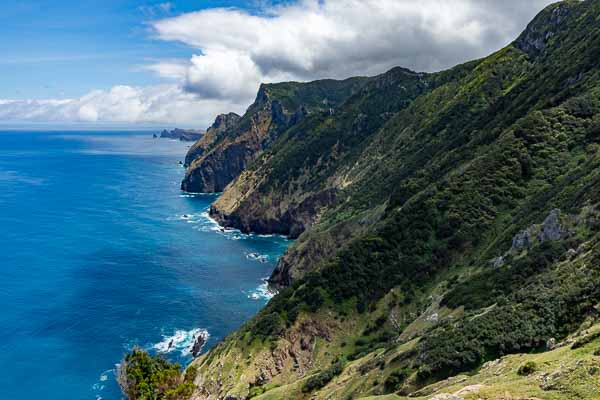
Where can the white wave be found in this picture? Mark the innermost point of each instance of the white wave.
(182, 341)
(193, 194)
(261, 258)
(101, 384)
(211, 225)
(262, 292)
(184, 217)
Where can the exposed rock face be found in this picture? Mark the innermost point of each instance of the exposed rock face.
(290, 221)
(198, 344)
(551, 228)
(215, 170)
(293, 355)
(223, 123)
(498, 262)
(236, 142)
(545, 26)
(522, 240)
(186, 135)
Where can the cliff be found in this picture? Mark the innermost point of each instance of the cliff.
(241, 140)
(448, 231)
(302, 173)
(223, 123)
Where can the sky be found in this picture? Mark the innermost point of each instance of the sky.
(182, 62)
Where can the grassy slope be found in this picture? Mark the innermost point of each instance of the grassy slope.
(562, 373)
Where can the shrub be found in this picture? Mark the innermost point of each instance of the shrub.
(527, 369)
(268, 326)
(144, 377)
(322, 378)
(395, 379)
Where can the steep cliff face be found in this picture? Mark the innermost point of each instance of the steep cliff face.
(223, 124)
(444, 221)
(288, 188)
(214, 163)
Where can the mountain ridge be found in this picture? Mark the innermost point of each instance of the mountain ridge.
(443, 221)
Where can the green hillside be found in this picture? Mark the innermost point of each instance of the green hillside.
(448, 233)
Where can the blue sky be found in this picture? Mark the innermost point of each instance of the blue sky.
(57, 49)
(181, 62)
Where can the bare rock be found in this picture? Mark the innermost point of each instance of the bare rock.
(535, 39)
(198, 344)
(498, 262)
(551, 229)
(522, 240)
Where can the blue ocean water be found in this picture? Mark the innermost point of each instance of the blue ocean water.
(100, 251)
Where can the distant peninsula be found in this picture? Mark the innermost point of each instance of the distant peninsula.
(185, 135)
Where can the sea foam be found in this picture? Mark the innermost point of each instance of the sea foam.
(262, 292)
(182, 341)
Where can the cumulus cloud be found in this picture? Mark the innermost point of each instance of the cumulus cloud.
(121, 104)
(314, 39)
(236, 50)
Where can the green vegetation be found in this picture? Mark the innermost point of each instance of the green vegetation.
(144, 377)
(322, 378)
(527, 369)
(394, 381)
(585, 340)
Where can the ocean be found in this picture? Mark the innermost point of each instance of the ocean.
(100, 252)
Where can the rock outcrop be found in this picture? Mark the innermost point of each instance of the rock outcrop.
(223, 123)
(290, 220)
(543, 28)
(198, 344)
(550, 230)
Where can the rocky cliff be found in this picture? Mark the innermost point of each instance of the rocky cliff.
(219, 159)
(223, 123)
(299, 177)
(446, 223)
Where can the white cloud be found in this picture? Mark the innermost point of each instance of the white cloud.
(170, 69)
(337, 38)
(121, 104)
(305, 40)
